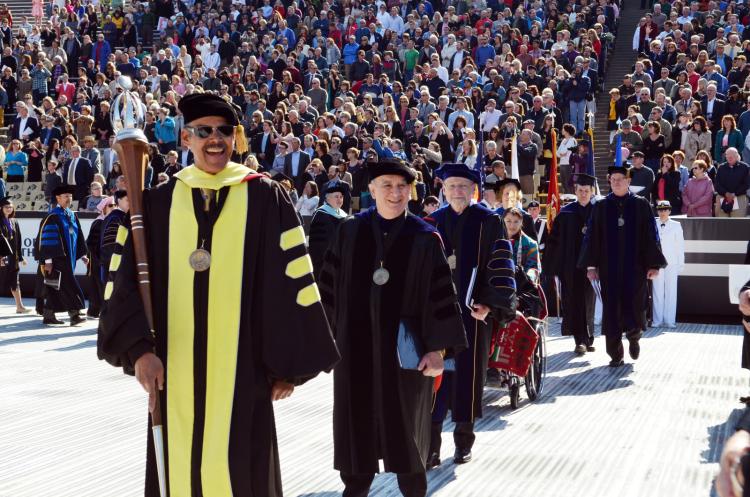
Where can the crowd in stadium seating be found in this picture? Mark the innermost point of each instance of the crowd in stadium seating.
(326, 87)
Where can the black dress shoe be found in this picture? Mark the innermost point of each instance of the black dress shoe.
(433, 460)
(580, 350)
(462, 456)
(52, 320)
(590, 348)
(77, 319)
(634, 349)
(616, 363)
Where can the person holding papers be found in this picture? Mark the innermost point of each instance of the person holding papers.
(381, 402)
(483, 271)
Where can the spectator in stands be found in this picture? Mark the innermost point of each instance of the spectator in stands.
(698, 138)
(78, 172)
(641, 178)
(52, 180)
(165, 131)
(618, 111)
(728, 136)
(698, 195)
(24, 127)
(16, 163)
(653, 145)
(732, 183)
(667, 184)
(565, 149)
(91, 202)
(714, 107)
(630, 139)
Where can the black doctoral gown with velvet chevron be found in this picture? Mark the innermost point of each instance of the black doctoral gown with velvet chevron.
(218, 410)
(381, 411)
(561, 259)
(623, 252)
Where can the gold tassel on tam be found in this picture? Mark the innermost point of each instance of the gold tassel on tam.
(240, 140)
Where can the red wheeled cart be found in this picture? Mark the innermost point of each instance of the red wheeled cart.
(519, 352)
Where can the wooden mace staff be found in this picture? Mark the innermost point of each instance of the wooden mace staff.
(131, 145)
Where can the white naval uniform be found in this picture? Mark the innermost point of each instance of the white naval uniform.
(665, 284)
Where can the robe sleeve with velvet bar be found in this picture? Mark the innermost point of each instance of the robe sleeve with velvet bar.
(223, 334)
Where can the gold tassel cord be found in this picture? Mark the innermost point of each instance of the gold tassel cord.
(240, 140)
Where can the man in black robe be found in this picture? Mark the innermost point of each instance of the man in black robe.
(237, 314)
(385, 276)
(563, 249)
(483, 272)
(61, 244)
(621, 249)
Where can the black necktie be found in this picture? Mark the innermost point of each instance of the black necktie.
(663, 225)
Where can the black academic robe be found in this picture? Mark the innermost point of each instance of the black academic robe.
(107, 240)
(93, 243)
(381, 411)
(562, 252)
(322, 230)
(623, 255)
(10, 247)
(477, 239)
(279, 329)
(61, 239)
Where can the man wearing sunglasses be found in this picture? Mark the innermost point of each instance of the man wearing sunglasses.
(226, 251)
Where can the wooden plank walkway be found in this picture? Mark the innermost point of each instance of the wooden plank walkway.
(73, 426)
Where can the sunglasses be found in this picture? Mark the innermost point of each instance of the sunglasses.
(225, 130)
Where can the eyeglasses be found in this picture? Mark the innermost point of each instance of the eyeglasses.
(225, 130)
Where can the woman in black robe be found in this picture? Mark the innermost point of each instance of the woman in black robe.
(11, 253)
(323, 225)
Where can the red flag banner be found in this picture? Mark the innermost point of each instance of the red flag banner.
(553, 194)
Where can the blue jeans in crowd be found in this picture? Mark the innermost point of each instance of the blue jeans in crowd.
(578, 115)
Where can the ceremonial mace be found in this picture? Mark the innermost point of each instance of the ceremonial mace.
(127, 116)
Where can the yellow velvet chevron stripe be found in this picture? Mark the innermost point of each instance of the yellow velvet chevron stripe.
(299, 267)
(308, 295)
(292, 238)
(108, 288)
(122, 235)
(114, 263)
